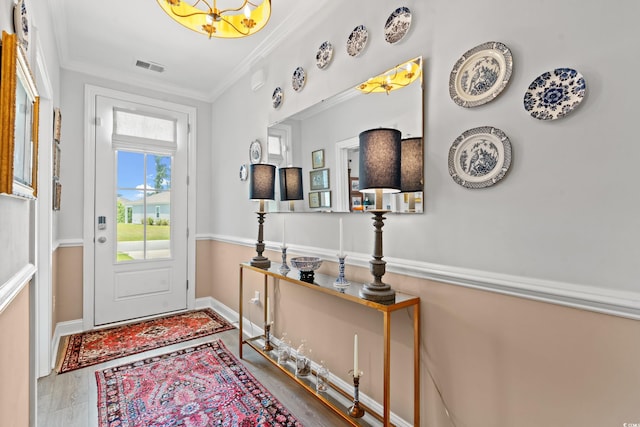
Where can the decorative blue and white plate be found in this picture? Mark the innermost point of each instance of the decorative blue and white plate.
(357, 40)
(324, 55)
(554, 94)
(298, 79)
(21, 23)
(480, 157)
(397, 25)
(481, 74)
(277, 97)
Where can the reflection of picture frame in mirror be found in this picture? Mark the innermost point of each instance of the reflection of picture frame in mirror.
(355, 184)
(317, 159)
(56, 160)
(325, 199)
(57, 195)
(314, 200)
(319, 179)
(356, 203)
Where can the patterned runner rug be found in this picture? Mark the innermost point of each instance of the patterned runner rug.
(93, 347)
(197, 386)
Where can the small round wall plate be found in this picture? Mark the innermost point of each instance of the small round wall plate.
(298, 79)
(243, 172)
(554, 94)
(397, 25)
(21, 23)
(481, 74)
(277, 97)
(255, 151)
(324, 55)
(357, 40)
(480, 157)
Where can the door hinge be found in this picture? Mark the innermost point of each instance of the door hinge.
(187, 285)
(98, 121)
(187, 179)
(188, 127)
(187, 233)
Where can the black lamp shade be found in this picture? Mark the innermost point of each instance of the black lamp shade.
(290, 183)
(380, 160)
(262, 181)
(412, 176)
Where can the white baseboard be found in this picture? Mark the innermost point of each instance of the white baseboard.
(62, 329)
(232, 316)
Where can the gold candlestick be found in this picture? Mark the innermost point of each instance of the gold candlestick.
(267, 337)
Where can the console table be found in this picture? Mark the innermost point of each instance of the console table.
(324, 283)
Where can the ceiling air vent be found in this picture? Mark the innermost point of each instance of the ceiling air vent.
(150, 66)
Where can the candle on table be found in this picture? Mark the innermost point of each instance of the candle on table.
(268, 311)
(355, 356)
(341, 254)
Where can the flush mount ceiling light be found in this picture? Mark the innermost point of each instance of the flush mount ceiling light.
(400, 76)
(204, 16)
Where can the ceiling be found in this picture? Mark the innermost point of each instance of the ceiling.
(105, 39)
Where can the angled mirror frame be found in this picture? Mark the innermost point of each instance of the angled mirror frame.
(19, 117)
(334, 125)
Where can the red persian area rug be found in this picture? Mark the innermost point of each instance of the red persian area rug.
(93, 347)
(198, 386)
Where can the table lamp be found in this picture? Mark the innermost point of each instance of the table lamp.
(380, 162)
(262, 187)
(290, 185)
(412, 170)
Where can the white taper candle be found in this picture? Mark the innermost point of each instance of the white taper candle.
(355, 356)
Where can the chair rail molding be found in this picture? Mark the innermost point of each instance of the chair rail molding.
(613, 302)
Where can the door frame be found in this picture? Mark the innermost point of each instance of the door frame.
(90, 117)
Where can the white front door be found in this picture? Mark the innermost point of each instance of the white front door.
(141, 168)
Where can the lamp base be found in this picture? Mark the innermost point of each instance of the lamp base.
(382, 294)
(260, 262)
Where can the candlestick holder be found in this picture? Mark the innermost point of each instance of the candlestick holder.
(267, 337)
(284, 268)
(355, 410)
(341, 283)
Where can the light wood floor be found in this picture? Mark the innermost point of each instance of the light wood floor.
(70, 399)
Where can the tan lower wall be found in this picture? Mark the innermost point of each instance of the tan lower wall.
(498, 360)
(67, 290)
(14, 362)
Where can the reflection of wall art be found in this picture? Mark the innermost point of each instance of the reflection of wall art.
(320, 199)
(319, 179)
(57, 124)
(314, 200)
(57, 195)
(356, 203)
(355, 184)
(317, 159)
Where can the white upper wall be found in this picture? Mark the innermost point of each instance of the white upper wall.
(568, 209)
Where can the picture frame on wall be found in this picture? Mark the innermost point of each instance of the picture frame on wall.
(355, 184)
(319, 179)
(57, 124)
(56, 160)
(325, 199)
(57, 195)
(317, 159)
(356, 203)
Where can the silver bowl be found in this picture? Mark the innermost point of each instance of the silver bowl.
(306, 263)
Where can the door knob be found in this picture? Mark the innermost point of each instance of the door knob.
(102, 239)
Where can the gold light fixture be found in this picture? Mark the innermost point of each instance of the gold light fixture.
(206, 18)
(400, 76)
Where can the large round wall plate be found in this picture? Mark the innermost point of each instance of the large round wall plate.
(397, 25)
(255, 152)
(480, 157)
(324, 55)
(276, 98)
(357, 40)
(555, 94)
(481, 74)
(21, 23)
(298, 79)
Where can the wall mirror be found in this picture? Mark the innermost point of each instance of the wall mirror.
(392, 99)
(19, 106)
